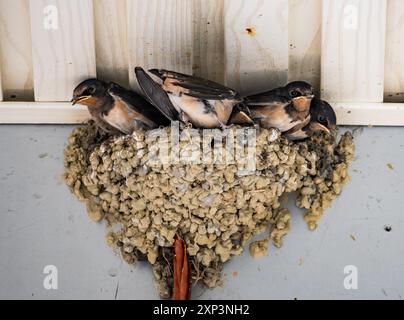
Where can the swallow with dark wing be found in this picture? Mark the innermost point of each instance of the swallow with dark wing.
(282, 108)
(241, 114)
(322, 118)
(203, 103)
(115, 109)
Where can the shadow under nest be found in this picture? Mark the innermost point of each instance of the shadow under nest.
(215, 207)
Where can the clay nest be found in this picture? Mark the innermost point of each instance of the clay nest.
(216, 208)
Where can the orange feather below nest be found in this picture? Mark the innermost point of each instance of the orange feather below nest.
(181, 271)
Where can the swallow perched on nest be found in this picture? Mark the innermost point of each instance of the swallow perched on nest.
(115, 109)
(200, 102)
(322, 118)
(282, 108)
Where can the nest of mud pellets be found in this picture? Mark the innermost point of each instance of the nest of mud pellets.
(216, 208)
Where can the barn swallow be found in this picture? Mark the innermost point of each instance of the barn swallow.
(322, 118)
(282, 108)
(241, 114)
(115, 109)
(200, 102)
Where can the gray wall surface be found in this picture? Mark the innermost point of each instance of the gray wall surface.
(41, 224)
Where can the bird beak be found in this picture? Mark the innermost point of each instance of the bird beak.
(315, 126)
(79, 99)
(333, 127)
(305, 97)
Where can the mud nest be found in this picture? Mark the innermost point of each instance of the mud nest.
(215, 207)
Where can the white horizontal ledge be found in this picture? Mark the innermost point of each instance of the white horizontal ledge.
(42, 112)
(375, 114)
(348, 113)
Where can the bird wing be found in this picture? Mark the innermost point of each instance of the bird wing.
(135, 102)
(156, 95)
(299, 126)
(241, 114)
(266, 99)
(296, 135)
(273, 113)
(196, 87)
(102, 123)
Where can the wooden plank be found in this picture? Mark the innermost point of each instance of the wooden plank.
(111, 41)
(1, 89)
(394, 75)
(365, 113)
(305, 41)
(160, 35)
(63, 51)
(348, 113)
(15, 50)
(353, 38)
(208, 50)
(256, 42)
(42, 112)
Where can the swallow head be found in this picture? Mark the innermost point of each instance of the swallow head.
(301, 94)
(322, 116)
(88, 92)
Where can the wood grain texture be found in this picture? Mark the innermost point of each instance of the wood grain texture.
(256, 40)
(15, 50)
(64, 56)
(111, 41)
(160, 35)
(353, 38)
(394, 64)
(305, 41)
(208, 46)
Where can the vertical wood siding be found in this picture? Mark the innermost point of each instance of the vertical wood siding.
(256, 38)
(305, 41)
(351, 51)
(160, 35)
(394, 68)
(15, 50)
(208, 50)
(111, 41)
(64, 56)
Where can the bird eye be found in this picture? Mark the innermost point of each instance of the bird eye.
(321, 119)
(91, 90)
(295, 93)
